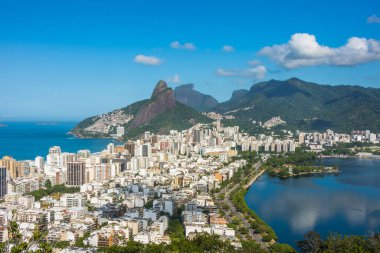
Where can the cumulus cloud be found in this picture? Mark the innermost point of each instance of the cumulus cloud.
(257, 72)
(147, 60)
(186, 45)
(228, 49)
(304, 50)
(373, 19)
(174, 79)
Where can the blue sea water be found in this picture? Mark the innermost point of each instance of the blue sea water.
(26, 140)
(348, 203)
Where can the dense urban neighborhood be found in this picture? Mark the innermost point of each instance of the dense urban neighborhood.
(137, 191)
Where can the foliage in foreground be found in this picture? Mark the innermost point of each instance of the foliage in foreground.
(336, 243)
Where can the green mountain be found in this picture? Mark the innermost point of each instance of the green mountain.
(186, 94)
(306, 106)
(159, 114)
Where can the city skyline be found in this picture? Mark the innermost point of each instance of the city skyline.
(74, 60)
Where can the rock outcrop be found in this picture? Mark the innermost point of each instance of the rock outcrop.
(161, 100)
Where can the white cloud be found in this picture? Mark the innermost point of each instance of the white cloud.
(223, 72)
(304, 50)
(228, 49)
(174, 79)
(254, 63)
(257, 72)
(186, 45)
(147, 60)
(373, 19)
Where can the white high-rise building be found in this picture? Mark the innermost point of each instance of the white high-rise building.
(39, 162)
(111, 148)
(120, 131)
(55, 150)
(372, 137)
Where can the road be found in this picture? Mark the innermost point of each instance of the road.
(227, 192)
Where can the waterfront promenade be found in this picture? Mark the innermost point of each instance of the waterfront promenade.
(232, 212)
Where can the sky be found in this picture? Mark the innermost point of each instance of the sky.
(67, 60)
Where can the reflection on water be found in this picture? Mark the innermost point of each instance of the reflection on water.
(348, 203)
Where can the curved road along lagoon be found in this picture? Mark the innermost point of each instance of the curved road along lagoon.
(348, 203)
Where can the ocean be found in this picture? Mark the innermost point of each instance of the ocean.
(26, 140)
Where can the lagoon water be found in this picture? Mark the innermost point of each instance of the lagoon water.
(348, 203)
(26, 140)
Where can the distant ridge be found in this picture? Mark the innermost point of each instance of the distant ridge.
(303, 105)
(307, 106)
(187, 95)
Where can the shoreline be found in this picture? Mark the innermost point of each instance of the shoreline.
(373, 157)
(266, 236)
(254, 179)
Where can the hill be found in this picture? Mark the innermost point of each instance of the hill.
(159, 114)
(186, 94)
(306, 106)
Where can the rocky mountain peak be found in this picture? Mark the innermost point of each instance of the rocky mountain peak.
(162, 100)
(160, 87)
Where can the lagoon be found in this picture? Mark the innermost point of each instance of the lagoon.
(346, 203)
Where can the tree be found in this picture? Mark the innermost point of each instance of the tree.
(281, 248)
(48, 184)
(312, 243)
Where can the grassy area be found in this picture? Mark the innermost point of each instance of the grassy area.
(60, 188)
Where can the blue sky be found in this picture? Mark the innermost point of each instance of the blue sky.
(66, 60)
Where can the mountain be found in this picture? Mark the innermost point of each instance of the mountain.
(306, 105)
(186, 94)
(159, 114)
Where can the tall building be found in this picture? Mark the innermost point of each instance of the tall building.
(372, 137)
(111, 148)
(130, 146)
(39, 162)
(301, 138)
(3, 226)
(218, 124)
(197, 136)
(147, 135)
(83, 154)
(55, 150)
(14, 168)
(146, 150)
(75, 173)
(120, 131)
(3, 181)
(66, 158)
